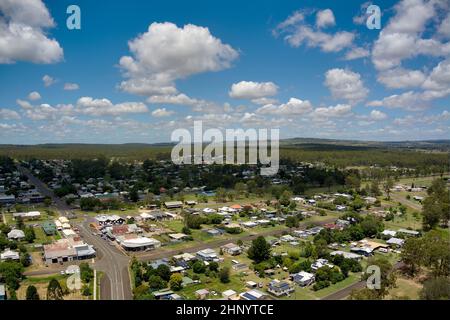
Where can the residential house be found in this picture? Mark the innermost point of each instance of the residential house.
(232, 249)
(230, 295)
(49, 228)
(303, 278)
(16, 234)
(201, 294)
(178, 236)
(280, 288)
(207, 255)
(389, 233)
(346, 255)
(32, 215)
(173, 204)
(408, 232)
(253, 295)
(9, 255)
(395, 242)
(7, 199)
(319, 263)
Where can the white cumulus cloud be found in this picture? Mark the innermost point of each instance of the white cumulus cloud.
(253, 90)
(346, 84)
(325, 18)
(33, 96)
(162, 112)
(22, 33)
(166, 53)
(71, 86)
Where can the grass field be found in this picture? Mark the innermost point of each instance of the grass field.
(405, 289)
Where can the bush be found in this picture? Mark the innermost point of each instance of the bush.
(321, 284)
(224, 275)
(86, 290)
(199, 267)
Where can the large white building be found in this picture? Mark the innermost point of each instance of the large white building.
(137, 243)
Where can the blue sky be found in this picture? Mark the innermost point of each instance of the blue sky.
(137, 70)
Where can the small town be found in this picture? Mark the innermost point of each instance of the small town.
(224, 159)
(177, 237)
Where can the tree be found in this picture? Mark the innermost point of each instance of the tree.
(86, 272)
(163, 271)
(221, 195)
(186, 230)
(430, 251)
(176, 281)
(387, 186)
(260, 250)
(213, 266)
(29, 234)
(371, 225)
(32, 293)
(156, 282)
(292, 222)
(285, 198)
(141, 291)
(436, 289)
(436, 207)
(134, 195)
(11, 273)
(387, 281)
(240, 188)
(86, 290)
(375, 188)
(437, 253)
(413, 254)
(224, 275)
(352, 181)
(54, 290)
(199, 267)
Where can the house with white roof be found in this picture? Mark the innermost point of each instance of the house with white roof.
(303, 278)
(207, 255)
(131, 242)
(9, 255)
(395, 242)
(16, 234)
(27, 215)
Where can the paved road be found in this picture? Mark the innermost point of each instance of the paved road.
(116, 282)
(345, 292)
(115, 285)
(399, 198)
(62, 207)
(160, 254)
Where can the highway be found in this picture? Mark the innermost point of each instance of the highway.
(115, 284)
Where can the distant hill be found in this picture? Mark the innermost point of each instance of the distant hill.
(139, 151)
(439, 145)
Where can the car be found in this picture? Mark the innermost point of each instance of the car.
(63, 272)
